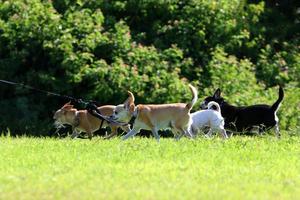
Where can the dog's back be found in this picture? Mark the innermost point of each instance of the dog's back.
(90, 122)
(255, 115)
(83, 121)
(261, 115)
(245, 118)
(206, 118)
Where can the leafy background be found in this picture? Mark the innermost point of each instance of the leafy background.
(99, 49)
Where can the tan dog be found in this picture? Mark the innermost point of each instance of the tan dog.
(155, 117)
(83, 121)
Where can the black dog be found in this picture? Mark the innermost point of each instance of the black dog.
(243, 119)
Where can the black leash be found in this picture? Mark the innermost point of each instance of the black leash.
(90, 105)
(93, 110)
(43, 91)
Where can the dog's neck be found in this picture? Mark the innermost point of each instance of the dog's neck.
(134, 115)
(73, 118)
(135, 112)
(76, 121)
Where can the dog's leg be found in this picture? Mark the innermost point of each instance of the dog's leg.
(89, 131)
(229, 133)
(106, 133)
(74, 134)
(155, 134)
(184, 132)
(262, 129)
(110, 135)
(208, 135)
(176, 133)
(114, 131)
(277, 130)
(90, 135)
(57, 133)
(187, 133)
(178, 136)
(224, 133)
(258, 130)
(131, 133)
(195, 131)
(125, 128)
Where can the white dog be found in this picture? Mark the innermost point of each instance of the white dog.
(211, 117)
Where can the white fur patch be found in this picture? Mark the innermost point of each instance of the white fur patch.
(275, 115)
(276, 118)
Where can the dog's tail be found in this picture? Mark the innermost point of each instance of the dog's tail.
(214, 106)
(275, 106)
(194, 91)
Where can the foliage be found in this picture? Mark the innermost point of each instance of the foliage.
(98, 50)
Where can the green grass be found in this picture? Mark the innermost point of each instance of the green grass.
(141, 168)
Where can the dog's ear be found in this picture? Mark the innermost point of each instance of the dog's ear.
(131, 108)
(131, 97)
(129, 101)
(217, 93)
(69, 103)
(68, 106)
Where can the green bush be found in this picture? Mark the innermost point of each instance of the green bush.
(273, 68)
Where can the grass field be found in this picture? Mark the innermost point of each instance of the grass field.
(141, 168)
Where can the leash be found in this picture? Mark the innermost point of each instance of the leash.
(93, 110)
(90, 105)
(43, 91)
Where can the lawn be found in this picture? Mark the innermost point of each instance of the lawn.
(141, 168)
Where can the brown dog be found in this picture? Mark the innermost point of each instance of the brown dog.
(155, 117)
(83, 121)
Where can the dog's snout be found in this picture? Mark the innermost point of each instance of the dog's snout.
(55, 115)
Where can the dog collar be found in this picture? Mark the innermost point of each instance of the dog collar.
(134, 116)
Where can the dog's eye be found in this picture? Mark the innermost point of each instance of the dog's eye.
(116, 112)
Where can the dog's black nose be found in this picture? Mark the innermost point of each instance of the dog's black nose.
(54, 115)
(112, 118)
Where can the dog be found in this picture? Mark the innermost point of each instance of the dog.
(83, 121)
(211, 117)
(245, 118)
(155, 117)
